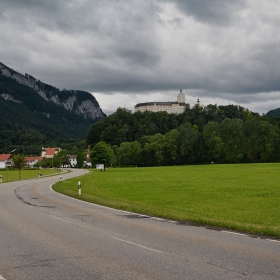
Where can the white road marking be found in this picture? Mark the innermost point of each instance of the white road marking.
(236, 233)
(158, 219)
(2, 278)
(278, 241)
(57, 219)
(134, 244)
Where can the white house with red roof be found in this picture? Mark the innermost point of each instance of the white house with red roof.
(6, 160)
(30, 161)
(49, 152)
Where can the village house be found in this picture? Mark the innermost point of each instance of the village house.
(6, 160)
(49, 152)
(73, 160)
(30, 161)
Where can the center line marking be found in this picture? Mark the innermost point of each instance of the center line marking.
(134, 244)
(59, 220)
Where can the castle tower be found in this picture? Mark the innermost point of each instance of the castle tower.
(181, 97)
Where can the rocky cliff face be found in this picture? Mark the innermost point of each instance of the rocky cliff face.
(78, 102)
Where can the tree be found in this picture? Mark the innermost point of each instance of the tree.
(75, 150)
(213, 141)
(129, 153)
(266, 139)
(80, 159)
(102, 153)
(231, 133)
(19, 162)
(61, 159)
(157, 145)
(252, 138)
(187, 139)
(171, 146)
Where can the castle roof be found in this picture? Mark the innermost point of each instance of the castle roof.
(159, 104)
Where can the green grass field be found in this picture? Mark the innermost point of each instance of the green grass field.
(13, 175)
(242, 197)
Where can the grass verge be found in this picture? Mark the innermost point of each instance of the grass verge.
(13, 175)
(243, 197)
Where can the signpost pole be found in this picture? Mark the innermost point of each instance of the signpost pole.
(80, 188)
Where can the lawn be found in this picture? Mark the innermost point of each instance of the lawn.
(13, 175)
(242, 197)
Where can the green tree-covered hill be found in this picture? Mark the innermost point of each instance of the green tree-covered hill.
(275, 112)
(202, 134)
(28, 121)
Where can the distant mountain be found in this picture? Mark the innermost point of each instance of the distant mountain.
(275, 112)
(34, 114)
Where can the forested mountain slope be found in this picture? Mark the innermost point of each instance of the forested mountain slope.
(34, 114)
(275, 112)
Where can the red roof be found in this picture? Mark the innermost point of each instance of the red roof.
(50, 151)
(4, 157)
(33, 158)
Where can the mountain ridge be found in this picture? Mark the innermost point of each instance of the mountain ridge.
(76, 101)
(53, 117)
(274, 112)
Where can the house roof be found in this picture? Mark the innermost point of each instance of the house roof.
(33, 158)
(73, 156)
(4, 157)
(50, 151)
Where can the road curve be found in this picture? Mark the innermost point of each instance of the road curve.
(45, 235)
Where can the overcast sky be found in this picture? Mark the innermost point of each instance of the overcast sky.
(129, 51)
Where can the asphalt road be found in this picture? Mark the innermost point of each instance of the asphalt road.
(45, 235)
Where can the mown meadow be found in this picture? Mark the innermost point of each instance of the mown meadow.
(243, 197)
(13, 174)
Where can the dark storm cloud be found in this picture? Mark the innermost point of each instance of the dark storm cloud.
(213, 49)
(112, 35)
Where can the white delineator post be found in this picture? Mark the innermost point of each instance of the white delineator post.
(80, 187)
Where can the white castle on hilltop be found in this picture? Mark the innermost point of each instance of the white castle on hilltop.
(176, 107)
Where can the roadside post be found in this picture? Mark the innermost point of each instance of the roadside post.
(0, 179)
(80, 187)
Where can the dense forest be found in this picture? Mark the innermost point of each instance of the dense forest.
(202, 134)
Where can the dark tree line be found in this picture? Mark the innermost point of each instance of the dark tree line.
(220, 134)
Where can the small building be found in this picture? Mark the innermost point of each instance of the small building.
(6, 160)
(73, 160)
(176, 107)
(49, 152)
(30, 161)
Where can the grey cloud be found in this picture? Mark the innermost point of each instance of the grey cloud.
(219, 12)
(214, 48)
